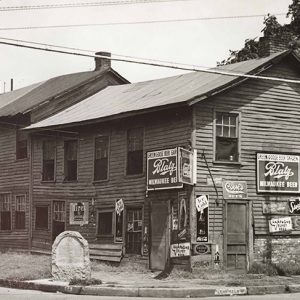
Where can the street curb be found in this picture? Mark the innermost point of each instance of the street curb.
(151, 292)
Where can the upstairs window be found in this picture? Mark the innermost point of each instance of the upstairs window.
(227, 137)
(135, 141)
(21, 144)
(71, 160)
(48, 160)
(5, 212)
(20, 212)
(101, 158)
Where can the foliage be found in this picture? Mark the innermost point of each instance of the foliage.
(85, 282)
(272, 269)
(261, 268)
(272, 29)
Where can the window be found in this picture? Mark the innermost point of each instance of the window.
(41, 217)
(135, 139)
(48, 160)
(59, 211)
(101, 158)
(70, 160)
(5, 212)
(21, 144)
(20, 212)
(105, 221)
(227, 135)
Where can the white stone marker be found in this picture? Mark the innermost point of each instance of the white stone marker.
(70, 257)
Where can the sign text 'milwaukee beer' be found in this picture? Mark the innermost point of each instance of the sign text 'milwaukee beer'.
(278, 173)
(162, 169)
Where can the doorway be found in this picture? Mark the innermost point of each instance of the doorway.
(236, 235)
(160, 234)
(58, 218)
(134, 230)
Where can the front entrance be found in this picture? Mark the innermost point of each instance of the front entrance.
(134, 231)
(58, 218)
(236, 235)
(160, 234)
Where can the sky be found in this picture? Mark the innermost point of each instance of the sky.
(196, 42)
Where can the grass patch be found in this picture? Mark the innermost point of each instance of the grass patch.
(24, 266)
(85, 282)
(271, 269)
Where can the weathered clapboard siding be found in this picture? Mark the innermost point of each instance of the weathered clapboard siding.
(270, 121)
(14, 179)
(132, 189)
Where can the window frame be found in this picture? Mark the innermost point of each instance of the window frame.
(35, 218)
(21, 134)
(108, 158)
(10, 211)
(54, 160)
(127, 152)
(238, 131)
(106, 210)
(65, 160)
(16, 210)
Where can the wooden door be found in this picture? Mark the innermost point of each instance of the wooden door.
(58, 218)
(160, 234)
(134, 231)
(236, 235)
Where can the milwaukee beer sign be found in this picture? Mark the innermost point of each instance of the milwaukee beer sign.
(162, 169)
(278, 173)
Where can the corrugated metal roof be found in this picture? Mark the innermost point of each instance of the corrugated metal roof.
(27, 98)
(116, 100)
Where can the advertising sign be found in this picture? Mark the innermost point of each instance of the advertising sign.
(180, 250)
(200, 249)
(162, 169)
(280, 224)
(79, 213)
(202, 205)
(187, 166)
(277, 173)
(235, 190)
(294, 205)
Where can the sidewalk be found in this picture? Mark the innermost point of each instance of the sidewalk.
(143, 284)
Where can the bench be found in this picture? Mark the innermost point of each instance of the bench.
(106, 252)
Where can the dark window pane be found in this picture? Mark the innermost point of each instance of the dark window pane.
(219, 130)
(233, 132)
(226, 119)
(48, 160)
(101, 158)
(70, 160)
(20, 219)
(5, 223)
(48, 170)
(135, 162)
(41, 217)
(219, 118)
(225, 131)
(226, 149)
(21, 144)
(105, 223)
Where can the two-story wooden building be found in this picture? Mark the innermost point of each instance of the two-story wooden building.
(19, 109)
(113, 167)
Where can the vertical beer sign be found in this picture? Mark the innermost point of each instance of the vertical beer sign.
(162, 169)
(277, 173)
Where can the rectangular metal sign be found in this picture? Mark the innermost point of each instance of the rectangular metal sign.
(162, 169)
(234, 189)
(202, 206)
(79, 213)
(280, 224)
(278, 173)
(187, 166)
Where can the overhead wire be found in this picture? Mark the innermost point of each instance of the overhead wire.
(84, 4)
(178, 66)
(134, 22)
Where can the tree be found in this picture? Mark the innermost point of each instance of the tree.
(272, 28)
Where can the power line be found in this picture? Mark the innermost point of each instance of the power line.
(83, 4)
(174, 66)
(135, 22)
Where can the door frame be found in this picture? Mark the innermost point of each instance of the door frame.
(249, 232)
(52, 216)
(168, 231)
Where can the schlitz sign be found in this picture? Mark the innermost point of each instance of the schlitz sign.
(162, 169)
(277, 173)
(235, 190)
(294, 205)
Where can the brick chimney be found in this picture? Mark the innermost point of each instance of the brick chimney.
(275, 43)
(102, 63)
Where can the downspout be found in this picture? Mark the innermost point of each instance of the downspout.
(30, 191)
